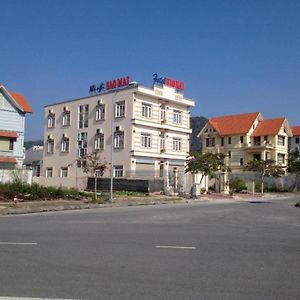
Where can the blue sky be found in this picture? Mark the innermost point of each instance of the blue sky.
(234, 56)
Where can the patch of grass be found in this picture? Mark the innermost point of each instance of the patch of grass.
(130, 193)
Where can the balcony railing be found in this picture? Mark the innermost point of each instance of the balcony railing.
(254, 144)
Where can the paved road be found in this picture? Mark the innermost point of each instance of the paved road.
(198, 251)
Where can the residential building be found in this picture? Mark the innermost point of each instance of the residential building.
(295, 139)
(150, 129)
(13, 107)
(33, 160)
(245, 137)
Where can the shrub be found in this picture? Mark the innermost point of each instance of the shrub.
(37, 192)
(237, 184)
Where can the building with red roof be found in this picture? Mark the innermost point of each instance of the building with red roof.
(295, 139)
(245, 137)
(13, 108)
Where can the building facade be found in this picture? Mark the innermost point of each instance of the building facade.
(245, 137)
(295, 139)
(13, 107)
(149, 128)
(33, 159)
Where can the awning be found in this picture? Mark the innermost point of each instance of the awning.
(8, 159)
(9, 134)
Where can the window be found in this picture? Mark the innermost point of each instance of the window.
(100, 112)
(66, 118)
(146, 110)
(99, 173)
(82, 144)
(120, 109)
(63, 172)
(229, 140)
(177, 116)
(50, 146)
(49, 172)
(119, 140)
(241, 161)
(162, 141)
(11, 145)
(146, 140)
(65, 144)
(256, 141)
(241, 139)
(222, 142)
(281, 159)
(81, 163)
(51, 120)
(118, 171)
(162, 113)
(229, 154)
(210, 142)
(281, 140)
(297, 140)
(99, 141)
(83, 116)
(176, 144)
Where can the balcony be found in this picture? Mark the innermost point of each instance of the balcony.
(257, 145)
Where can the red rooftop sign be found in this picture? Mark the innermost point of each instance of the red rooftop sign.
(109, 85)
(178, 85)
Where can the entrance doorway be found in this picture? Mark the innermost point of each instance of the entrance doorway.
(257, 156)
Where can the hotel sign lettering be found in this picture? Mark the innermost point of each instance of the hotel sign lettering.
(178, 85)
(109, 85)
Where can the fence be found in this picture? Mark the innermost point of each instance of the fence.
(127, 184)
(284, 183)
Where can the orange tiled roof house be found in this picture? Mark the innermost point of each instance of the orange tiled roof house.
(246, 137)
(13, 107)
(295, 139)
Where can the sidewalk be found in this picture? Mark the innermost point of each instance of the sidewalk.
(26, 207)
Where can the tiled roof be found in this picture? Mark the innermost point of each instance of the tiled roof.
(234, 124)
(11, 134)
(19, 99)
(268, 127)
(22, 102)
(295, 130)
(8, 159)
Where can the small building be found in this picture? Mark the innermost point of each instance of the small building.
(143, 131)
(295, 139)
(245, 137)
(13, 108)
(33, 160)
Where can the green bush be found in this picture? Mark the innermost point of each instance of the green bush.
(237, 184)
(37, 192)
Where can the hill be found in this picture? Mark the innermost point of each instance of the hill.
(29, 144)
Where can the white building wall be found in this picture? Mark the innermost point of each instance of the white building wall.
(133, 124)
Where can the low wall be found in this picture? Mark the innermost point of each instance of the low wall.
(9, 175)
(284, 183)
(127, 184)
(67, 182)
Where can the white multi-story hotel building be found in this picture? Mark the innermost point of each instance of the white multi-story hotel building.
(150, 129)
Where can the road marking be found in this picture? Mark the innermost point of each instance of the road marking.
(12, 243)
(176, 247)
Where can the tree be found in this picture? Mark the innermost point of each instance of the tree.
(205, 163)
(294, 165)
(92, 164)
(265, 168)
